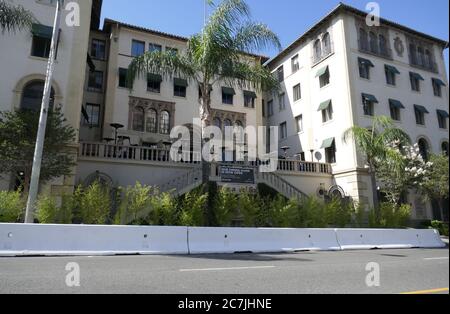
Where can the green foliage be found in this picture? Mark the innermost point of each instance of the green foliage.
(136, 201)
(249, 209)
(95, 204)
(18, 131)
(390, 216)
(164, 210)
(436, 187)
(47, 210)
(14, 17)
(12, 206)
(192, 208)
(225, 207)
(440, 226)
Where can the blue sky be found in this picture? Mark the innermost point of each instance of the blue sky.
(288, 18)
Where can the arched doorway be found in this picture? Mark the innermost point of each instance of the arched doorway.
(424, 148)
(32, 96)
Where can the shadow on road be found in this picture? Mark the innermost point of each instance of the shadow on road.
(252, 257)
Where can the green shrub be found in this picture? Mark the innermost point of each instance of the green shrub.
(47, 210)
(12, 206)
(249, 208)
(136, 201)
(95, 204)
(225, 207)
(164, 210)
(390, 216)
(440, 226)
(192, 208)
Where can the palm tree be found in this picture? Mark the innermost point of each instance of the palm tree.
(221, 53)
(14, 18)
(375, 143)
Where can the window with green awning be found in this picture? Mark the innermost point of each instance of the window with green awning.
(365, 62)
(154, 78)
(324, 105)
(442, 113)
(42, 31)
(180, 82)
(322, 71)
(250, 94)
(370, 98)
(438, 82)
(328, 143)
(391, 69)
(228, 91)
(396, 104)
(416, 76)
(421, 109)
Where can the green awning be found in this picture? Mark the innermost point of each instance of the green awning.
(438, 82)
(324, 105)
(396, 104)
(250, 94)
(392, 69)
(442, 113)
(154, 77)
(180, 82)
(322, 71)
(366, 62)
(421, 109)
(228, 91)
(370, 98)
(42, 31)
(416, 76)
(328, 143)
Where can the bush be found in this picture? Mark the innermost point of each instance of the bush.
(440, 226)
(164, 210)
(12, 206)
(390, 216)
(47, 210)
(225, 207)
(136, 201)
(95, 204)
(192, 208)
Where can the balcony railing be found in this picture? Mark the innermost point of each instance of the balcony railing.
(385, 52)
(145, 154)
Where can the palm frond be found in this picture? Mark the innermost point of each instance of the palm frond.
(255, 37)
(14, 18)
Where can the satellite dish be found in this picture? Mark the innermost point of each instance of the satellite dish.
(318, 156)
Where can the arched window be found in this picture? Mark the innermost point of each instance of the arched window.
(444, 148)
(326, 42)
(217, 122)
(373, 42)
(383, 45)
(164, 124)
(428, 59)
(151, 119)
(424, 148)
(413, 53)
(32, 96)
(227, 122)
(317, 50)
(421, 55)
(138, 118)
(363, 40)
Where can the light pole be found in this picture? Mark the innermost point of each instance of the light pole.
(36, 171)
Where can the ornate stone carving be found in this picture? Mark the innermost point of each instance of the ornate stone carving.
(399, 46)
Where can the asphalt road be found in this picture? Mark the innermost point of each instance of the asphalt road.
(309, 272)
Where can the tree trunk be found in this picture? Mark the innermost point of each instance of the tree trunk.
(376, 203)
(205, 116)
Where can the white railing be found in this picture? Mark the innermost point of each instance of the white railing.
(279, 184)
(304, 166)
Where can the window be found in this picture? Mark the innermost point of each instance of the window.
(424, 148)
(98, 49)
(249, 99)
(154, 47)
(164, 126)
(270, 108)
(415, 81)
(413, 53)
(442, 119)
(368, 104)
(95, 81)
(228, 95)
(327, 111)
(363, 40)
(138, 117)
(179, 87)
(383, 45)
(395, 108)
(330, 150)
(217, 123)
(283, 130)
(93, 115)
(326, 43)
(420, 112)
(299, 123)
(437, 87)
(391, 73)
(295, 64)
(280, 73)
(324, 79)
(151, 121)
(263, 108)
(32, 96)
(282, 101)
(421, 56)
(40, 47)
(317, 50)
(373, 42)
(154, 83)
(171, 50)
(364, 68)
(297, 92)
(123, 73)
(137, 48)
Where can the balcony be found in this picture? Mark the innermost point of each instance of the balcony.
(90, 151)
(324, 53)
(427, 65)
(385, 52)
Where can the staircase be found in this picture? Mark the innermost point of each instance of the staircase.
(279, 184)
(184, 183)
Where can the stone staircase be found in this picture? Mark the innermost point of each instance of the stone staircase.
(280, 185)
(184, 183)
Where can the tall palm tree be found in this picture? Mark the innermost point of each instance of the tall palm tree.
(374, 144)
(14, 17)
(219, 54)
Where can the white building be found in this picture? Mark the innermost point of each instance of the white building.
(341, 73)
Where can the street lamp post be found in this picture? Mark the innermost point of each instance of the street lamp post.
(36, 171)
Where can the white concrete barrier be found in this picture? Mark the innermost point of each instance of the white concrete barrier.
(53, 240)
(260, 240)
(363, 239)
